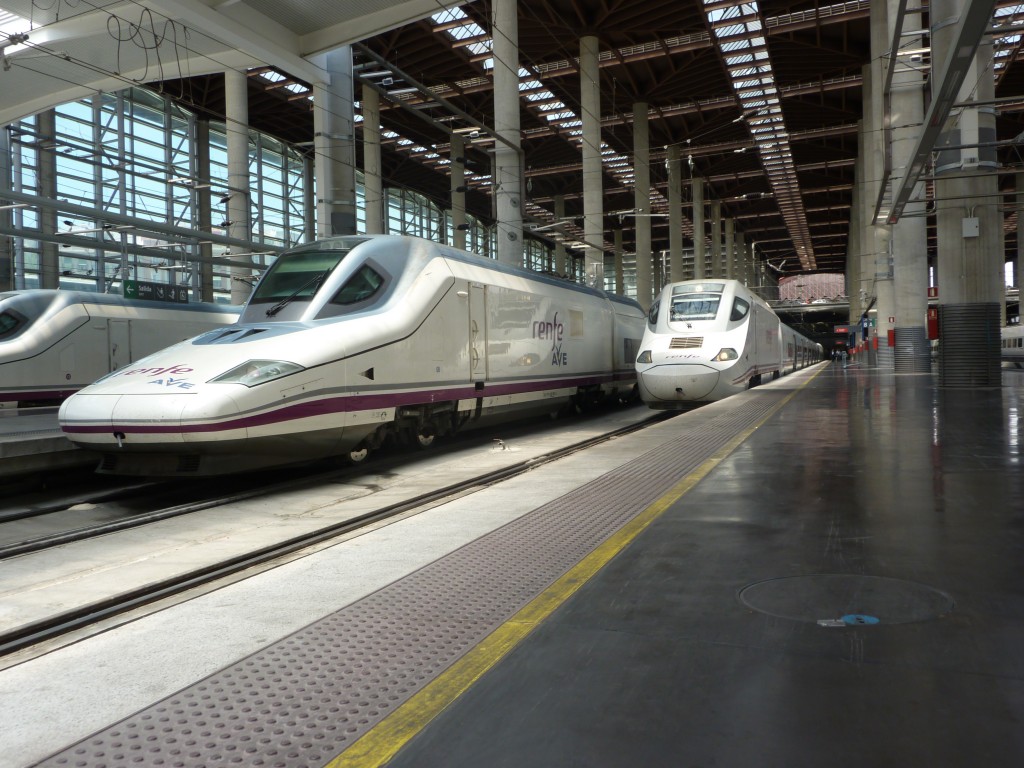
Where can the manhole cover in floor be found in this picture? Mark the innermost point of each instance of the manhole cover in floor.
(846, 599)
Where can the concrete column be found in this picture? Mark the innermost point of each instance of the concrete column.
(855, 235)
(309, 199)
(508, 162)
(876, 270)
(912, 352)
(560, 255)
(716, 239)
(697, 188)
(593, 188)
(970, 228)
(236, 98)
(740, 257)
(46, 162)
(675, 215)
(457, 174)
(619, 287)
(373, 182)
(6, 215)
(642, 203)
(885, 304)
(1015, 269)
(730, 244)
(333, 139)
(205, 205)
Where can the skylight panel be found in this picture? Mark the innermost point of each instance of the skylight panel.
(450, 14)
(12, 24)
(737, 29)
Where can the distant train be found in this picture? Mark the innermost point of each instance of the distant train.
(352, 340)
(53, 342)
(708, 339)
(1013, 345)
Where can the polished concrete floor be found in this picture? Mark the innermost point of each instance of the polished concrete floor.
(845, 589)
(831, 574)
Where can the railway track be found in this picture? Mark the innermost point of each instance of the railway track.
(96, 611)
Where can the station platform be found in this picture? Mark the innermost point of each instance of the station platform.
(31, 442)
(825, 570)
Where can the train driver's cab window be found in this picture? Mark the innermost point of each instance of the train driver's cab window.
(360, 287)
(11, 324)
(296, 276)
(740, 307)
(695, 301)
(652, 313)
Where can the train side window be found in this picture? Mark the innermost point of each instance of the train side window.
(652, 313)
(740, 307)
(358, 288)
(11, 324)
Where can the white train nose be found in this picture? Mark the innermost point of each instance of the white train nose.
(679, 382)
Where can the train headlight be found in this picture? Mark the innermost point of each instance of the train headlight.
(725, 354)
(255, 372)
(645, 357)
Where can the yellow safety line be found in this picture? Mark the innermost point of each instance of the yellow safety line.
(382, 742)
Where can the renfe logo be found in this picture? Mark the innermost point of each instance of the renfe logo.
(159, 371)
(552, 329)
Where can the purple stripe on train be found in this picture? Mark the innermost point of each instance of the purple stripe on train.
(347, 403)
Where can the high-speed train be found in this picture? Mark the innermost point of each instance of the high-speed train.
(54, 342)
(350, 340)
(1012, 345)
(708, 339)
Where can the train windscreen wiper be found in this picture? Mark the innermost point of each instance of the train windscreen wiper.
(314, 281)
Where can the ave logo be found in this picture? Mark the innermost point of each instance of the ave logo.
(554, 330)
(172, 383)
(558, 357)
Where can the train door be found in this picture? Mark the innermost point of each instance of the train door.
(477, 333)
(119, 343)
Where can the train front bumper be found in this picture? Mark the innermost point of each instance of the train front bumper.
(677, 383)
(151, 422)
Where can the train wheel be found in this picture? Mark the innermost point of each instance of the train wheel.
(424, 437)
(358, 454)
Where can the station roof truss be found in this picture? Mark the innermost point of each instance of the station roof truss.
(763, 98)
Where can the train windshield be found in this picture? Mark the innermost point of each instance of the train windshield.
(695, 301)
(298, 275)
(11, 324)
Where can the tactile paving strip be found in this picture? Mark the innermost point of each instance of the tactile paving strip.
(305, 699)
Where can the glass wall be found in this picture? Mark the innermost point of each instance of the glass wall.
(133, 155)
(127, 193)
